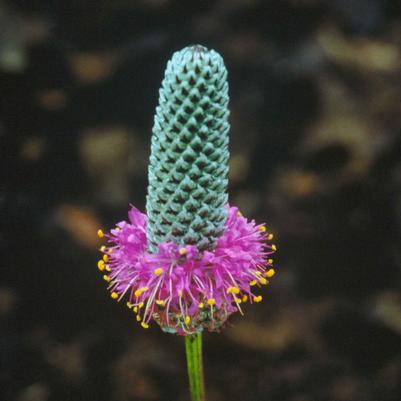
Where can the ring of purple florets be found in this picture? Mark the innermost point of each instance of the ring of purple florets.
(183, 289)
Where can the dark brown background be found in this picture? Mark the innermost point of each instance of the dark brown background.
(315, 152)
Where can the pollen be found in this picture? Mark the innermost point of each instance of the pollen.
(129, 304)
(100, 233)
(102, 248)
(158, 271)
(106, 278)
(179, 292)
(263, 281)
(114, 295)
(239, 214)
(262, 229)
(270, 261)
(245, 298)
(144, 325)
(252, 283)
(140, 305)
(270, 273)
(237, 300)
(274, 247)
(270, 237)
(183, 251)
(201, 305)
(187, 320)
(138, 318)
(234, 290)
(135, 309)
(100, 265)
(160, 302)
(106, 258)
(259, 298)
(211, 301)
(108, 268)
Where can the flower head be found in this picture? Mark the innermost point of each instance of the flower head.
(181, 287)
(192, 260)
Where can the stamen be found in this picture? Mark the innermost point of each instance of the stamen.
(139, 291)
(106, 278)
(274, 247)
(237, 300)
(187, 320)
(106, 258)
(129, 304)
(270, 273)
(263, 281)
(100, 233)
(158, 271)
(144, 325)
(252, 283)
(201, 305)
(245, 298)
(100, 265)
(114, 295)
(262, 229)
(270, 237)
(211, 301)
(270, 261)
(102, 248)
(183, 251)
(179, 292)
(135, 309)
(160, 302)
(138, 318)
(234, 290)
(259, 298)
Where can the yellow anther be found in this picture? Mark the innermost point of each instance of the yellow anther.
(138, 318)
(245, 298)
(270, 261)
(274, 247)
(110, 250)
(144, 325)
(239, 214)
(234, 290)
(253, 282)
(237, 300)
(270, 273)
(102, 248)
(270, 237)
(139, 291)
(263, 281)
(135, 309)
(201, 305)
(108, 268)
(100, 265)
(141, 305)
(158, 271)
(262, 229)
(100, 233)
(118, 229)
(114, 295)
(183, 251)
(129, 304)
(187, 320)
(160, 302)
(259, 298)
(179, 292)
(211, 301)
(106, 258)
(106, 278)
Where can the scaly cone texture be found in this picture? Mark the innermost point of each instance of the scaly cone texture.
(192, 260)
(188, 169)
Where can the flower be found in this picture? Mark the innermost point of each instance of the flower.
(185, 289)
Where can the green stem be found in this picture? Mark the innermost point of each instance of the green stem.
(193, 348)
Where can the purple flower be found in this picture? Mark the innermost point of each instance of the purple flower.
(182, 288)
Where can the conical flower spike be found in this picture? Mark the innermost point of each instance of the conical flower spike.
(188, 168)
(192, 260)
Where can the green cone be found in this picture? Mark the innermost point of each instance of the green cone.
(188, 169)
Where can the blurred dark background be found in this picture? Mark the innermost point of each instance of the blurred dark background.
(315, 153)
